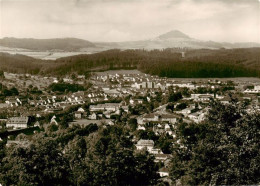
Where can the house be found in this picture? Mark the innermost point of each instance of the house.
(156, 151)
(252, 91)
(54, 120)
(202, 97)
(225, 100)
(78, 115)
(164, 172)
(185, 111)
(3, 105)
(168, 118)
(105, 88)
(86, 122)
(162, 157)
(36, 124)
(20, 143)
(125, 108)
(81, 77)
(140, 127)
(17, 122)
(93, 116)
(12, 102)
(81, 110)
(131, 101)
(107, 106)
(194, 117)
(148, 144)
(112, 93)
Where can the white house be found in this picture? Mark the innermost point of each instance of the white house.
(164, 172)
(148, 144)
(17, 122)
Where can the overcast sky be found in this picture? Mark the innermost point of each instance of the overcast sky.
(124, 20)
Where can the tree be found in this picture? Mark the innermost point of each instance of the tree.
(165, 142)
(14, 91)
(170, 106)
(133, 124)
(173, 97)
(2, 76)
(78, 156)
(224, 150)
(39, 164)
(52, 127)
(112, 161)
(181, 106)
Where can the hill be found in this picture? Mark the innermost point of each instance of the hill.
(62, 47)
(24, 64)
(174, 34)
(169, 63)
(173, 39)
(165, 63)
(59, 44)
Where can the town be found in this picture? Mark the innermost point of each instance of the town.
(149, 106)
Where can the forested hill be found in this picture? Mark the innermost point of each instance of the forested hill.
(167, 63)
(24, 64)
(63, 44)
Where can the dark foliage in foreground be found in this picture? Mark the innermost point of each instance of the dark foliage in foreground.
(224, 150)
(78, 156)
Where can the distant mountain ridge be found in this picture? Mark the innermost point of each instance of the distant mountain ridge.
(174, 39)
(171, 39)
(173, 34)
(64, 44)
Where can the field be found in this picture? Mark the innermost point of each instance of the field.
(47, 55)
(112, 72)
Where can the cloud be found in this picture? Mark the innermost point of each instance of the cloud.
(120, 20)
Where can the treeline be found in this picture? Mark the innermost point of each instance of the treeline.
(108, 60)
(23, 64)
(4, 91)
(197, 70)
(164, 63)
(62, 87)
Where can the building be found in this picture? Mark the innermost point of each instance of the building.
(162, 157)
(93, 116)
(17, 122)
(168, 118)
(164, 172)
(54, 120)
(102, 107)
(202, 97)
(148, 144)
(78, 115)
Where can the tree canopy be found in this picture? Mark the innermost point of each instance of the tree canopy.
(224, 150)
(78, 156)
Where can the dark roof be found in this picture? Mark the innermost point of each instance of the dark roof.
(18, 120)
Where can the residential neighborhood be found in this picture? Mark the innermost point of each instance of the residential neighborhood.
(154, 105)
(150, 106)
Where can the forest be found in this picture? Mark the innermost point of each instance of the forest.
(77, 156)
(222, 150)
(164, 63)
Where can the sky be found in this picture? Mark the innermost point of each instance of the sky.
(128, 20)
